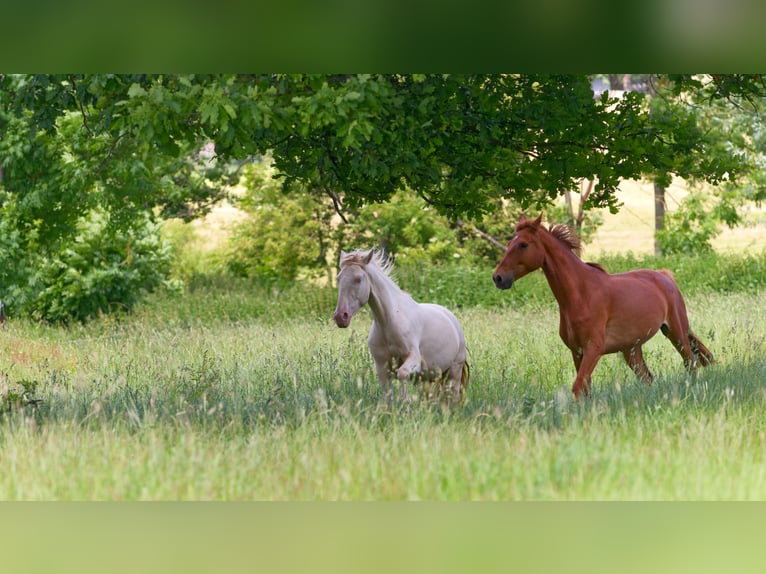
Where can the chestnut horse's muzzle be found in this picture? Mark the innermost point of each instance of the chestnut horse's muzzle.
(503, 282)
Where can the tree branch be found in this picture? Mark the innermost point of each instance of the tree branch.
(336, 203)
(109, 154)
(486, 236)
(82, 109)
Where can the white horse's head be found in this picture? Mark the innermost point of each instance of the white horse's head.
(353, 285)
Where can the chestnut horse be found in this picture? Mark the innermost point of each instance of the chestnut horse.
(601, 313)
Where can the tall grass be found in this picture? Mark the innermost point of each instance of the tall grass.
(238, 392)
(458, 286)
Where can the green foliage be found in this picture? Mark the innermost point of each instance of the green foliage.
(71, 148)
(692, 227)
(134, 145)
(457, 284)
(404, 226)
(190, 254)
(104, 269)
(276, 243)
(458, 140)
(287, 232)
(724, 111)
(290, 233)
(688, 229)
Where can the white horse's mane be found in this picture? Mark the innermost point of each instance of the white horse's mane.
(379, 259)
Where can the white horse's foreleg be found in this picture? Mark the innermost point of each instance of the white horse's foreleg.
(383, 370)
(411, 365)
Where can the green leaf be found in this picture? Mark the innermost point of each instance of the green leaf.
(136, 91)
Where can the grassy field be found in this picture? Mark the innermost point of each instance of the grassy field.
(166, 406)
(236, 392)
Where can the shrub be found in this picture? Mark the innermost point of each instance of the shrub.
(104, 269)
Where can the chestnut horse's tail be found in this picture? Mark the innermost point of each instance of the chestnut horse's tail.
(702, 354)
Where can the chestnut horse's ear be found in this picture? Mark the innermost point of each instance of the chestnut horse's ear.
(537, 221)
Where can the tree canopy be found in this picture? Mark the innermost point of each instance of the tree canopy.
(124, 148)
(457, 140)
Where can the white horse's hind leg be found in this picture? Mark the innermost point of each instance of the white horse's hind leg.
(455, 378)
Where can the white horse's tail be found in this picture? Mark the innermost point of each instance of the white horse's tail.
(465, 377)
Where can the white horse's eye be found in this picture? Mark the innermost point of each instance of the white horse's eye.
(357, 280)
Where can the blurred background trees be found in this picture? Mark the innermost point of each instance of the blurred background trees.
(430, 167)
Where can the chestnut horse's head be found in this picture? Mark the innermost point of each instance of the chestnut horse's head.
(523, 254)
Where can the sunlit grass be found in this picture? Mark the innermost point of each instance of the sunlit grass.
(255, 408)
(632, 228)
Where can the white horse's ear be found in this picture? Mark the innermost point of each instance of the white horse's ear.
(368, 257)
(342, 254)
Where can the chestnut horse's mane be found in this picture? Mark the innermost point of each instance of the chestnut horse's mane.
(566, 235)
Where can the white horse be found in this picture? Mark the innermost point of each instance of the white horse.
(414, 338)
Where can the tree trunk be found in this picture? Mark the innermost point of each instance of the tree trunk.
(570, 206)
(659, 190)
(659, 215)
(584, 194)
(619, 81)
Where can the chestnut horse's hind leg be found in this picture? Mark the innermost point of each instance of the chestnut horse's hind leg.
(635, 358)
(676, 327)
(677, 332)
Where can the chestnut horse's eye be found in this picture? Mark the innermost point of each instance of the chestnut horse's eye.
(523, 245)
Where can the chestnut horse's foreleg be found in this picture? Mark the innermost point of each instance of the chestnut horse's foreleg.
(635, 358)
(585, 361)
(577, 358)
